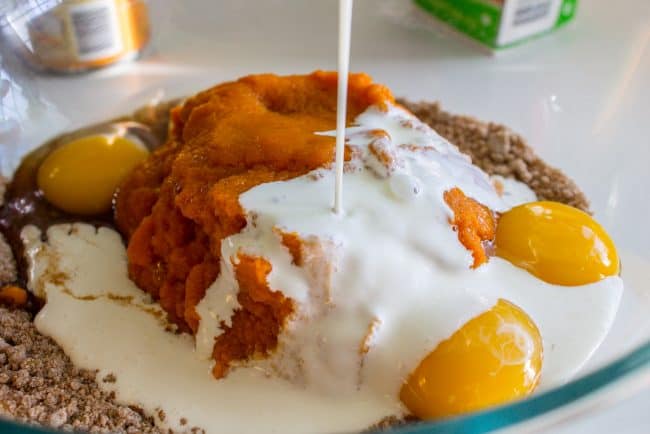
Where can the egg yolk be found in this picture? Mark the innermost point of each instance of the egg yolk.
(493, 358)
(81, 177)
(557, 243)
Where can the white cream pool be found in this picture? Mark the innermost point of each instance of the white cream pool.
(391, 264)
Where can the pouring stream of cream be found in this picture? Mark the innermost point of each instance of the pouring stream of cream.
(345, 25)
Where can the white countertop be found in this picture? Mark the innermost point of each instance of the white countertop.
(586, 84)
(630, 416)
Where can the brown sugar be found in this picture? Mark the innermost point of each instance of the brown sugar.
(39, 384)
(499, 151)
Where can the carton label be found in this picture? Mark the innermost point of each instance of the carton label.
(501, 23)
(523, 18)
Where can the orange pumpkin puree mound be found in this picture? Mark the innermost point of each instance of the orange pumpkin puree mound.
(179, 204)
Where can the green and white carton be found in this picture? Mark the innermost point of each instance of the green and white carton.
(501, 23)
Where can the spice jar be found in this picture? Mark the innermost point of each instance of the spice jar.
(75, 35)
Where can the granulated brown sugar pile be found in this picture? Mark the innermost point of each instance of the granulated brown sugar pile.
(39, 384)
(499, 151)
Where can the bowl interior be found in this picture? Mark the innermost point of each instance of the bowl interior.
(592, 124)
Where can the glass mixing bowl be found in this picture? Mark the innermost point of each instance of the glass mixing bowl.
(592, 125)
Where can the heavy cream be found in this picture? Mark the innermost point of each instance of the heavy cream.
(104, 322)
(381, 285)
(392, 276)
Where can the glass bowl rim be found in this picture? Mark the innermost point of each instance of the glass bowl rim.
(536, 405)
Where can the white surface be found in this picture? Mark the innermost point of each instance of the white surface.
(629, 416)
(581, 95)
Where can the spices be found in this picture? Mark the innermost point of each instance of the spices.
(76, 35)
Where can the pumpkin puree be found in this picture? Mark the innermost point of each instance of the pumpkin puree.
(179, 204)
(474, 223)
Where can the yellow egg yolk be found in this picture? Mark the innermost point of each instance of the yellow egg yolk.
(557, 243)
(492, 359)
(81, 176)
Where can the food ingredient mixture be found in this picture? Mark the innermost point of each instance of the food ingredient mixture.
(493, 147)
